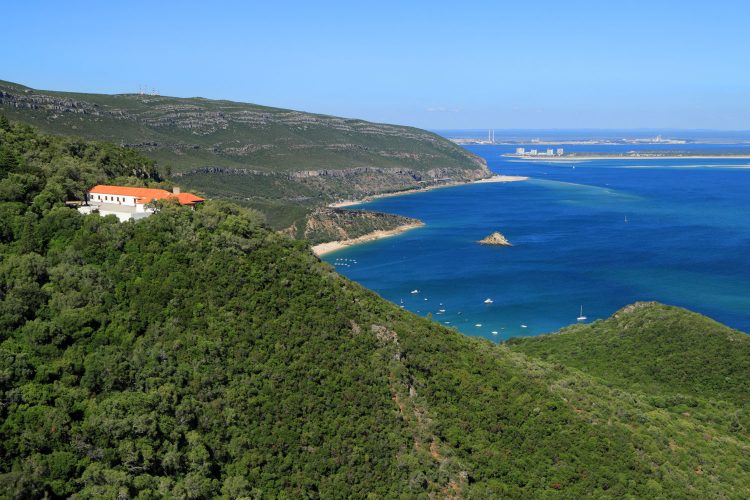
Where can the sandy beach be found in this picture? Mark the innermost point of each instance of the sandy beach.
(494, 178)
(332, 246)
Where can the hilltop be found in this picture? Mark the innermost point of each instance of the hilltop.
(654, 348)
(198, 353)
(280, 161)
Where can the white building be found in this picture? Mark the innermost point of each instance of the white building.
(550, 152)
(129, 202)
(533, 152)
(559, 151)
(520, 151)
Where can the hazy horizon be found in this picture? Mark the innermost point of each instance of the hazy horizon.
(540, 65)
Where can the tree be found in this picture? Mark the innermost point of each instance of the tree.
(8, 161)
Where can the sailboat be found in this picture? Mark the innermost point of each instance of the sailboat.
(488, 300)
(581, 317)
(626, 219)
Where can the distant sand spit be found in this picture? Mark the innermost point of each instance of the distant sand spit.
(494, 178)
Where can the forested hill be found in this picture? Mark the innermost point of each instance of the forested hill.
(280, 161)
(654, 348)
(198, 354)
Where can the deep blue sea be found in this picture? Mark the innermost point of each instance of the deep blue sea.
(596, 234)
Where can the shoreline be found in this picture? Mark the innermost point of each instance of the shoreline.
(641, 157)
(331, 246)
(366, 199)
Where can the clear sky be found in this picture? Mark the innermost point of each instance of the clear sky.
(460, 64)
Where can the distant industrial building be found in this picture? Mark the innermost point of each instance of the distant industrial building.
(549, 152)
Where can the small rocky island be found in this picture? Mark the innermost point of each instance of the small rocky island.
(496, 238)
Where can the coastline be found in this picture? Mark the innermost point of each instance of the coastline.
(494, 178)
(641, 157)
(331, 246)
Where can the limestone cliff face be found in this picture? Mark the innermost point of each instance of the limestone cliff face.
(332, 184)
(338, 224)
(497, 239)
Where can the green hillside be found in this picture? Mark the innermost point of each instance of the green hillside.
(654, 348)
(199, 354)
(280, 161)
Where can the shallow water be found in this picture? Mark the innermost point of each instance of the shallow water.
(686, 242)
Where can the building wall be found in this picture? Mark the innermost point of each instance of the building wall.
(122, 216)
(109, 204)
(96, 200)
(111, 198)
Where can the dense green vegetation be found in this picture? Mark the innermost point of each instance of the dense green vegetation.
(657, 349)
(198, 354)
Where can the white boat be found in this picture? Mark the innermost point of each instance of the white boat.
(478, 325)
(581, 317)
(524, 326)
(414, 292)
(494, 332)
(441, 310)
(488, 300)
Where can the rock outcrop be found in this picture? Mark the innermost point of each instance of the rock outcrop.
(496, 239)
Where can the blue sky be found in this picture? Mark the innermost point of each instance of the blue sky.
(503, 64)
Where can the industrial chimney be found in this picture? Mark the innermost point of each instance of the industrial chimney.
(175, 190)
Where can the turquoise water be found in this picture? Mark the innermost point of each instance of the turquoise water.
(686, 242)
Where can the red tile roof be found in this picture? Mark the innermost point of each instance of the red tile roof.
(146, 195)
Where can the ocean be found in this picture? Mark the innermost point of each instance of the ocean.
(596, 234)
